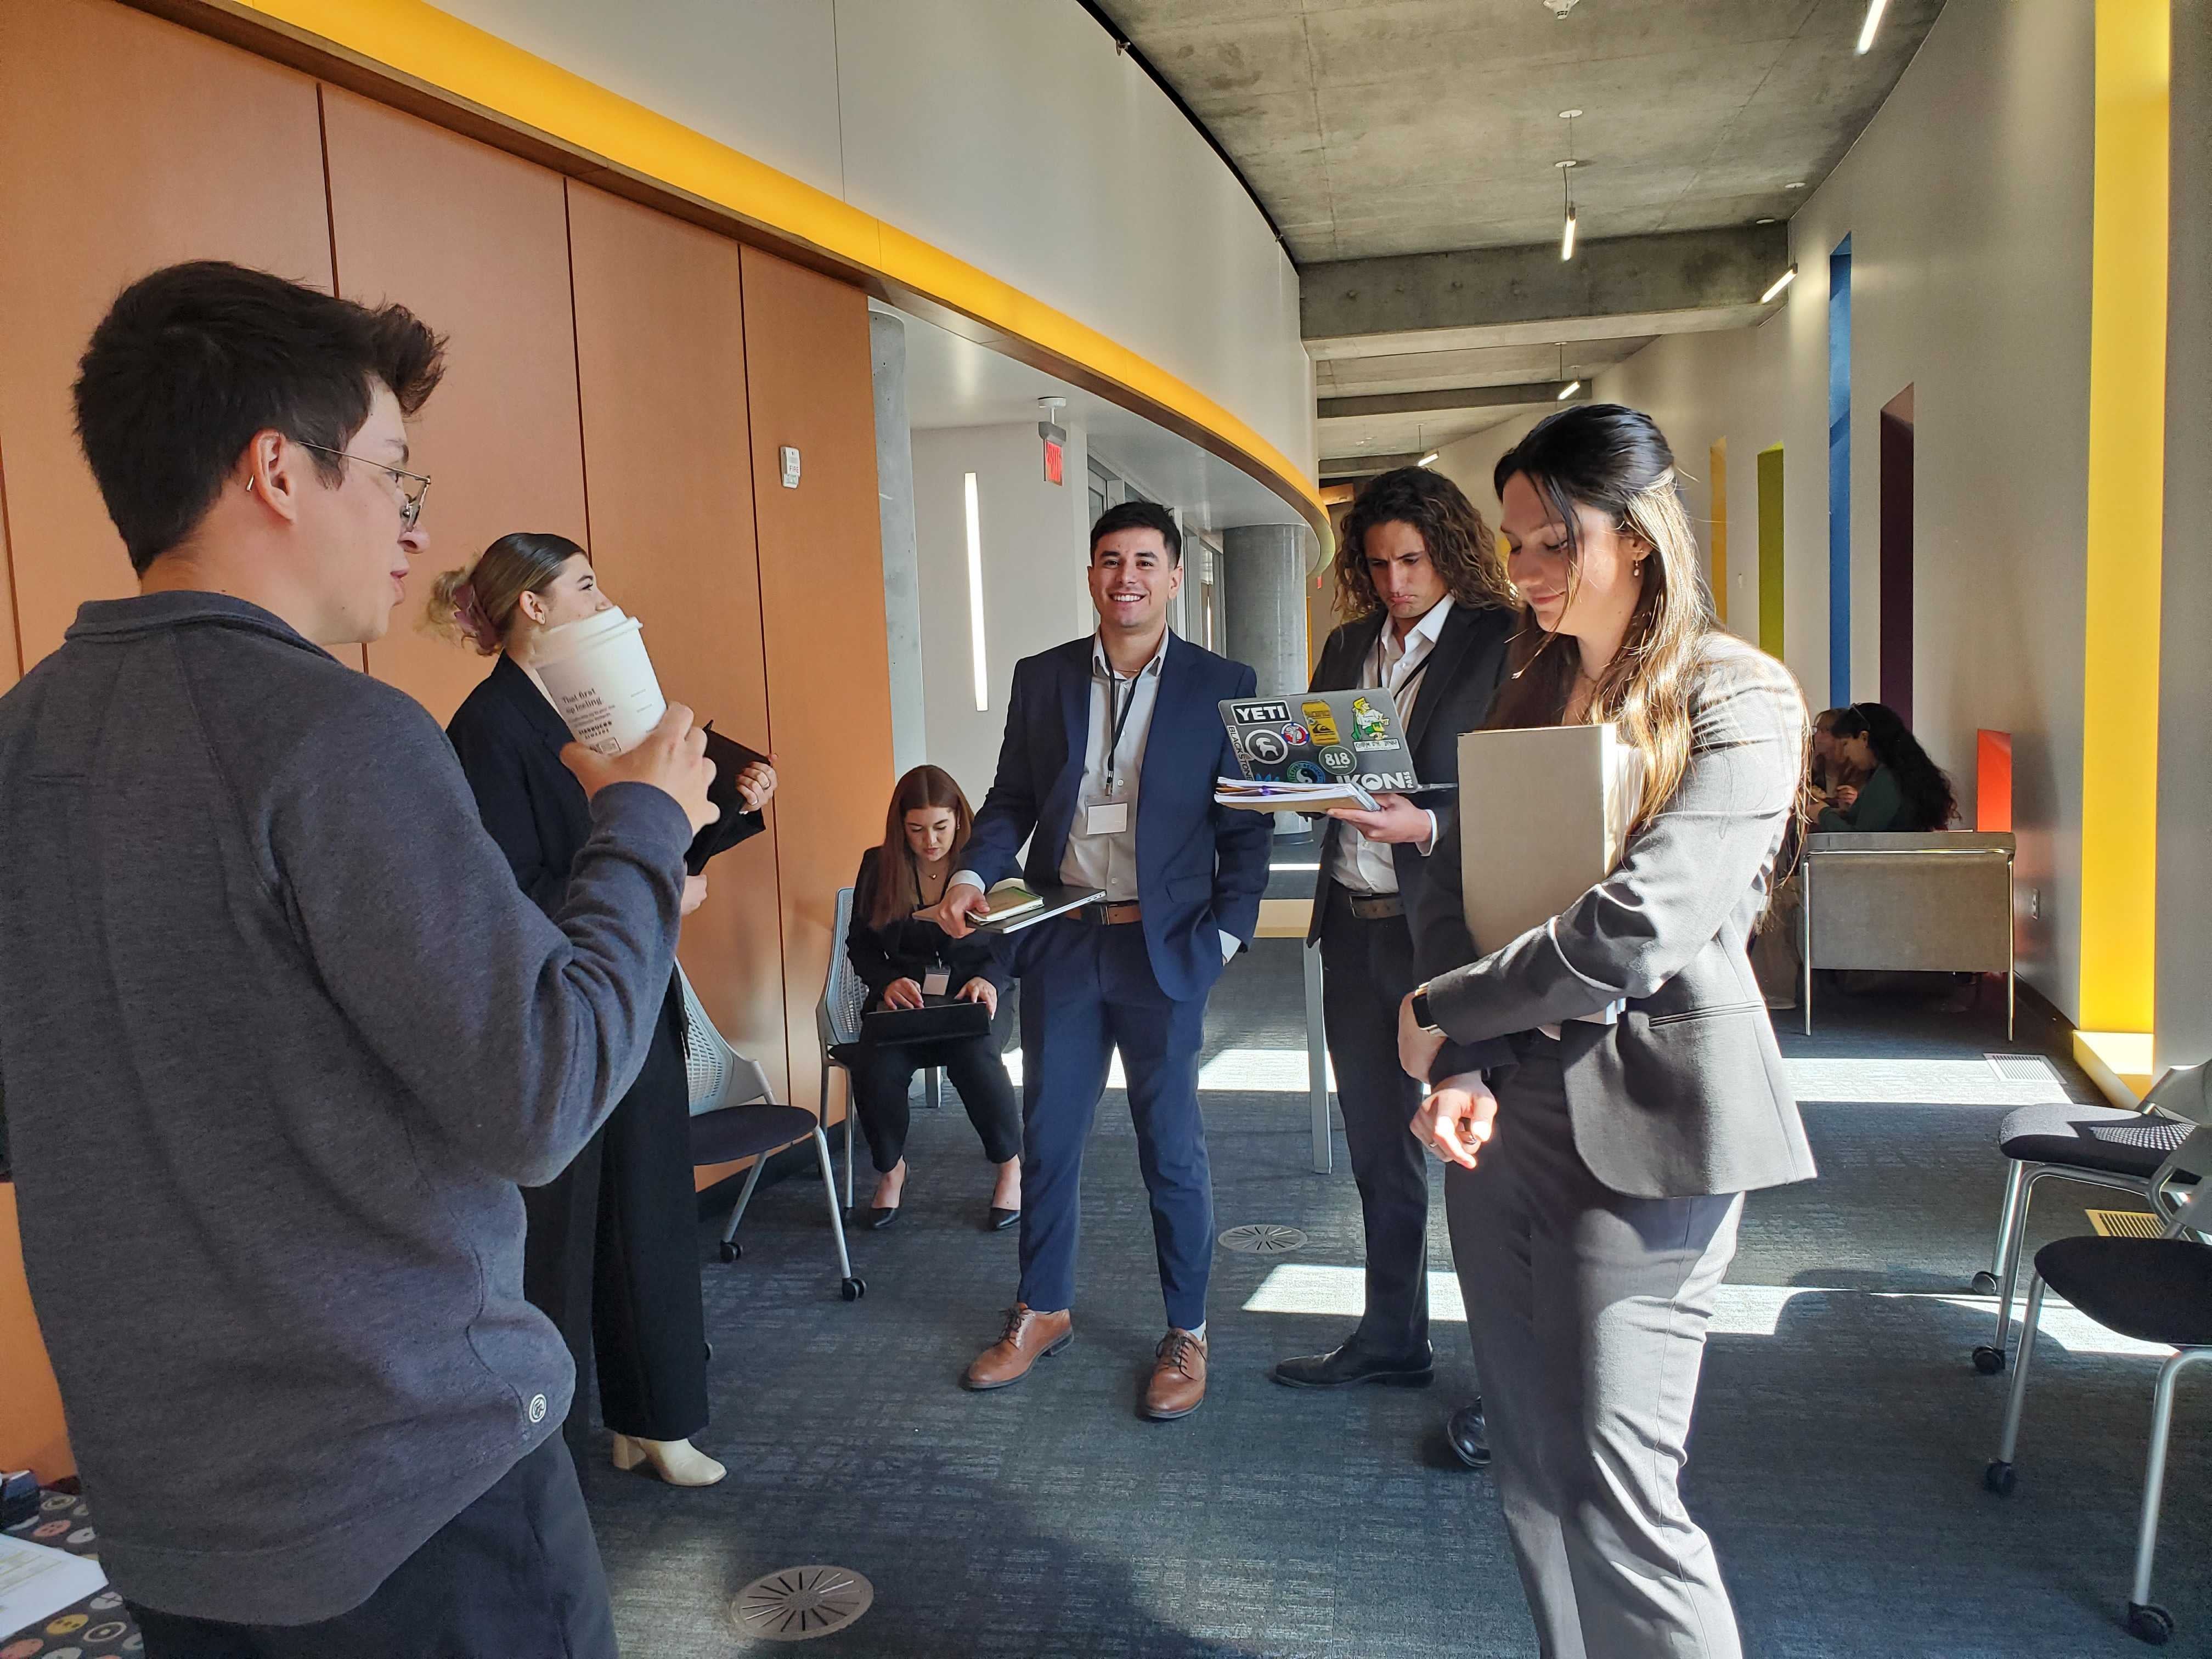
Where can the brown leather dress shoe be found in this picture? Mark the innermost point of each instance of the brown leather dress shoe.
(1030, 1336)
(1178, 1384)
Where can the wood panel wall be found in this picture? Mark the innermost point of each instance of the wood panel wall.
(475, 243)
(661, 348)
(126, 144)
(822, 606)
(11, 643)
(614, 375)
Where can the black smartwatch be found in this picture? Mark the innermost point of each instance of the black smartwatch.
(1421, 1016)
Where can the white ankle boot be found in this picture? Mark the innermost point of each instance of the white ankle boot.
(679, 1463)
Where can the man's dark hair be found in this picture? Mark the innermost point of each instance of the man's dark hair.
(193, 359)
(1140, 515)
(1459, 544)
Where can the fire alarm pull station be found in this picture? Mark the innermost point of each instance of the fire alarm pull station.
(790, 458)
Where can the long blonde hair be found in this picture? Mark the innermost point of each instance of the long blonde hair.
(477, 604)
(1617, 462)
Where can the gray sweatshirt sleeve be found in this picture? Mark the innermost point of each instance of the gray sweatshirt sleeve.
(516, 1033)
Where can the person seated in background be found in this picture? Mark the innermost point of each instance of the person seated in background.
(903, 956)
(1900, 788)
(1829, 774)
(1893, 786)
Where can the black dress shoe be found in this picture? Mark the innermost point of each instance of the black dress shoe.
(880, 1218)
(1340, 1368)
(1002, 1219)
(1469, 1436)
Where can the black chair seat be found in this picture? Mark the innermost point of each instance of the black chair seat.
(843, 1053)
(2155, 1289)
(734, 1132)
(2100, 1138)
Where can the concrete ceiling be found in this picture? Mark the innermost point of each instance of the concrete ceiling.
(1408, 126)
(1374, 129)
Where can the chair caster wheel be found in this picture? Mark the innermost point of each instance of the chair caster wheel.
(1998, 1478)
(2153, 1625)
(1989, 1361)
(855, 1289)
(731, 1252)
(1986, 1283)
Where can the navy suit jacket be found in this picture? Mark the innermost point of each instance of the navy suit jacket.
(1200, 868)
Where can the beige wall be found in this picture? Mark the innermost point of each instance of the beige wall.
(1968, 204)
(1009, 133)
(2184, 779)
(1034, 596)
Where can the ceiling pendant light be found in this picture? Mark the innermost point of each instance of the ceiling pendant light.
(1572, 386)
(1874, 8)
(1567, 189)
(1780, 283)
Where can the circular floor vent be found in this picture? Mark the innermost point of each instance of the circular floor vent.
(800, 1603)
(1263, 1238)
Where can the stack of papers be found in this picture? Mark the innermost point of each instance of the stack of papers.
(1010, 898)
(36, 1582)
(1286, 797)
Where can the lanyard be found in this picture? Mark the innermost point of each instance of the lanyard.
(1383, 677)
(1118, 714)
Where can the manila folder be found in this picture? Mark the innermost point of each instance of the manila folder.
(1544, 814)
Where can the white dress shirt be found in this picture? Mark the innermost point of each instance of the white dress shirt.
(1357, 864)
(1111, 772)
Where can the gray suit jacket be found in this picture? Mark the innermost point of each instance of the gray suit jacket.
(1685, 1095)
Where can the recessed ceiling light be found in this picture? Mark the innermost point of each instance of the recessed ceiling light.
(1766, 222)
(1798, 184)
(1569, 114)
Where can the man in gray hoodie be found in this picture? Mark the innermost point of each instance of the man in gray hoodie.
(275, 1015)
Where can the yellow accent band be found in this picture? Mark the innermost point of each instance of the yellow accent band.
(2126, 476)
(440, 50)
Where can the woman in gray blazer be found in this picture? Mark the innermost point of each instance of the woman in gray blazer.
(1605, 1087)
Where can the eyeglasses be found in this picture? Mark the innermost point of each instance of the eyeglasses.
(410, 500)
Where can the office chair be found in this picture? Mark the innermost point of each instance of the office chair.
(2155, 1289)
(2096, 1145)
(734, 1115)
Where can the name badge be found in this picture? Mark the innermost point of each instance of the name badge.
(1106, 817)
(936, 981)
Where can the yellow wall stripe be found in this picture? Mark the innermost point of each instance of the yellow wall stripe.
(440, 50)
(2127, 470)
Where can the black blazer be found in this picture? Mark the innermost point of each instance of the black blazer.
(1465, 670)
(509, 740)
(904, 948)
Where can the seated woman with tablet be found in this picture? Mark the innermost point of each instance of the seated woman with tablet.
(908, 963)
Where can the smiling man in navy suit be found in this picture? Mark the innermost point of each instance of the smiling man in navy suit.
(1112, 747)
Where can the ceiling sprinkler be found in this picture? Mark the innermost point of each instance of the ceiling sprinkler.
(1559, 9)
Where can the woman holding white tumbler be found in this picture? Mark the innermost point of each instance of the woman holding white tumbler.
(610, 1254)
(1605, 1087)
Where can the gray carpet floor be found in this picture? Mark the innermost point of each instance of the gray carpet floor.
(1840, 1440)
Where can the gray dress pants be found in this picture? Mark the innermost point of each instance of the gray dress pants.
(1588, 1312)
